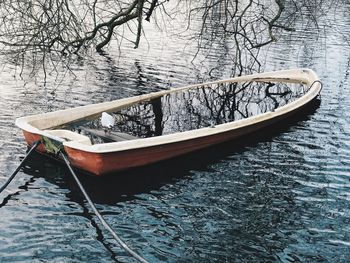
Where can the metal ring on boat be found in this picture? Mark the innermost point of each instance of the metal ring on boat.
(317, 81)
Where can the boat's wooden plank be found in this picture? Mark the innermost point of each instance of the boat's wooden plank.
(111, 136)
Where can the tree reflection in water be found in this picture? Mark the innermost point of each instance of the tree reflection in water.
(201, 107)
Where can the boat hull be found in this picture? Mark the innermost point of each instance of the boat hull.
(112, 162)
(109, 158)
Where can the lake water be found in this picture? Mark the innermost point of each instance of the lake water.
(281, 197)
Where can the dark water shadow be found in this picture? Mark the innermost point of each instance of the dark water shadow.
(123, 186)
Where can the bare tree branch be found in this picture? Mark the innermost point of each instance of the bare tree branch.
(71, 27)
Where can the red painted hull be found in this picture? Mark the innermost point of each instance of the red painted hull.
(107, 158)
(106, 163)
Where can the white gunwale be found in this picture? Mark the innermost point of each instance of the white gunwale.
(43, 124)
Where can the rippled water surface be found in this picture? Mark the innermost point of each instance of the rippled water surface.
(278, 197)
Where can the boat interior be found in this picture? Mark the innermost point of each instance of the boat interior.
(185, 110)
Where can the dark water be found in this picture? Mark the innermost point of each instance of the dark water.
(283, 197)
(203, 106)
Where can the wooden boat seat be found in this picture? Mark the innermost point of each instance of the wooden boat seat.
(110, 136)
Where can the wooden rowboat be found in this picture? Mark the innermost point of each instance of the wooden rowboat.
(161, 125)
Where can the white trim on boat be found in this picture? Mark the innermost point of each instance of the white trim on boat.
(42, 123)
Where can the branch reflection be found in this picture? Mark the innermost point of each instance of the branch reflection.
(201, 107)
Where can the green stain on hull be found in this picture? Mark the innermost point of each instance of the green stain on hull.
(51, 145)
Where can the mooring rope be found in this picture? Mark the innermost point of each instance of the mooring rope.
(3, 187)
(97, 213)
